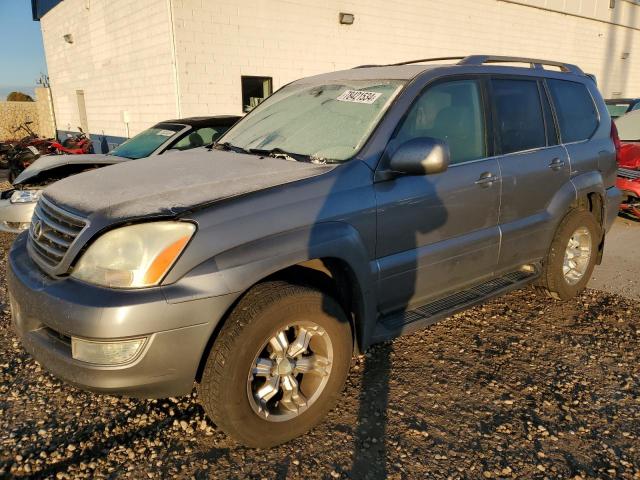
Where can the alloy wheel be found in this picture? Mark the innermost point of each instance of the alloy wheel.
(290, 371)
(577, 256)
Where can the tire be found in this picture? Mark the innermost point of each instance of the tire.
(228, 390)
(553, 280)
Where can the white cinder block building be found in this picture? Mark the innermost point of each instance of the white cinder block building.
(118, 66)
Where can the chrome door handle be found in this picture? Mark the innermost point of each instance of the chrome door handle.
(486, 179)
(556, 164)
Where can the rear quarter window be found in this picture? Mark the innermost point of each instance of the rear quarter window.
(577, 114)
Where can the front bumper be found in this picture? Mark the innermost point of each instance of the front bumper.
(15, 217)
(47, 312)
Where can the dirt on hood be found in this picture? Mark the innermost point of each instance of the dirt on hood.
(169, 185)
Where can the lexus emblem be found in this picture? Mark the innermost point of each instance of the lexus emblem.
(37, 230)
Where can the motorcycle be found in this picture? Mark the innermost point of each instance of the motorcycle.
(77, 144)
(11, 147)
(27, 152)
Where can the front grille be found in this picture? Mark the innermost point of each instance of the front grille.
(52, 231)
(628, 173)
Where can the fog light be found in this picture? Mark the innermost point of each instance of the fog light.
(105, 353)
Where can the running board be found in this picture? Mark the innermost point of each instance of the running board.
(411, 320)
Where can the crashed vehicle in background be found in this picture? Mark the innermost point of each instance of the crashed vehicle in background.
(629, 162)
(617, 107)
(17, 204)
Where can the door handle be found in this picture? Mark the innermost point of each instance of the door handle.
(556, 164)
(486, 179)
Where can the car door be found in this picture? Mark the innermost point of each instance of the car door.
(533, 167)
(438, 233)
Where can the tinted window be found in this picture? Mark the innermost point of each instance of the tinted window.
(577, 114)
(451, 112)
(519, 117)
(200, 137)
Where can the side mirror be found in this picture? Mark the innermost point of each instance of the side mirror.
(421, 156)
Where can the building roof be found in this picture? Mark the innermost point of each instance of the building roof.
(40, 7)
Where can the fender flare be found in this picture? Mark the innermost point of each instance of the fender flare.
(245, 265)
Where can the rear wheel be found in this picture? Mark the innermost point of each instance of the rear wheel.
(572, 256)
(278, 364)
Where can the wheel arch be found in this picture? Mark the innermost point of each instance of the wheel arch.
(329, 256)
(591, 195)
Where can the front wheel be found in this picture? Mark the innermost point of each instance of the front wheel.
(278, 364)
(572, 256)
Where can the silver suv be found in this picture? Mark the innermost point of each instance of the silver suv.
(346, 209)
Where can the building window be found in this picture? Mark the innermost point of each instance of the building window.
(254, 91)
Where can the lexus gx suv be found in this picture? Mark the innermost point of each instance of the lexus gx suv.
(346, 209)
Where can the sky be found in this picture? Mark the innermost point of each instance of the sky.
(21, 52)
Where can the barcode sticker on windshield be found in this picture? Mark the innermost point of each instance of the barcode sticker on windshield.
(165, 133)
(358, 96)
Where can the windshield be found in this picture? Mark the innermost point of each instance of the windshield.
(328, 122)
(147, 141)
(629, 126)
(617, 109)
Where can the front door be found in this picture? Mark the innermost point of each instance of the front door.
(439, 233)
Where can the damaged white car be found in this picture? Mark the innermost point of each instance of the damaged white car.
(18, 203)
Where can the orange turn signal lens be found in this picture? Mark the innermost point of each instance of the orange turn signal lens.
(162, 263)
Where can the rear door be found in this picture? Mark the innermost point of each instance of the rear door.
(533, 167)
(439, 233)
(578, 120)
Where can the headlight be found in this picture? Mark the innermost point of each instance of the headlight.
(25, 196)
(134, 256)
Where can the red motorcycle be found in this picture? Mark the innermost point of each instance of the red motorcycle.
(32, 147)
(73, 145)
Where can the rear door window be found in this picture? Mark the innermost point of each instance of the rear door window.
(452, 112)
(576, 112)
(519, 117)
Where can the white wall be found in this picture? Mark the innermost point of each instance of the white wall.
(218, 41)
(123, 51)
(121, 57)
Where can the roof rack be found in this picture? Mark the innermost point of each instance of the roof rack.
(425, 60)
(422, 60)
(482, 59)
(534, 62)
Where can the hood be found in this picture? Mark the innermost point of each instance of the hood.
(169, 185)
(49, 162)
(630, 155)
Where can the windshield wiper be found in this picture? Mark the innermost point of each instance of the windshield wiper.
(280, 153)
(230, 147)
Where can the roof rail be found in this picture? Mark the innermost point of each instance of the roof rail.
(425, 60)
(422, 60)
(482, 59)
(534, 62)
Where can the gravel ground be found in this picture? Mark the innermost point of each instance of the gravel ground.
(522, 387)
